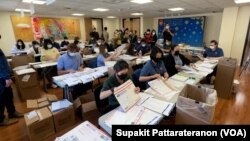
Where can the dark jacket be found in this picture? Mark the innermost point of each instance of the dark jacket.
(170, 63)
(5, 71)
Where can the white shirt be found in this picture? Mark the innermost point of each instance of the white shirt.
(16, 51)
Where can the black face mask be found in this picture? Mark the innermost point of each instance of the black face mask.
(157, 59)
(122, 76)
(177, 53)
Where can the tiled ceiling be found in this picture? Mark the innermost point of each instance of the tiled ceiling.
(120, 8)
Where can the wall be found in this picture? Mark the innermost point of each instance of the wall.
(112, 25)
(8, 37)
(147, 24)
(240, 33)
(211, 29)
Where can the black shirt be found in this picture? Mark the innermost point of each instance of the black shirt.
(64, 43)
(56, 45)
(167, 35)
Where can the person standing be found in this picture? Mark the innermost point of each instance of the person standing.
(94, 34)
(168, 33)
(6, 94)
(105, 35)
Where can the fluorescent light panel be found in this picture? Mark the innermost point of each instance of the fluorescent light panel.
(176, 9)
(101, 9)
(111, 17)
(241, 1)
(24, 10)
(77, 14)
(136, 14)
(141, 1)
(40, 2)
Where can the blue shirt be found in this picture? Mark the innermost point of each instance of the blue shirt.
(150, 69)
(100, 60)
(144, 49)
(66, 62)
(218, 52)
(5, 71)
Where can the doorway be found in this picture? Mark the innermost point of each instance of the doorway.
(132, 24)
(246, 52)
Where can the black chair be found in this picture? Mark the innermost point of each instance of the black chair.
(102, 105)
(135, 79)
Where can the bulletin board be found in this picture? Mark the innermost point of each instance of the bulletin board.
(187, 30)
(42, 27)
(24, 31)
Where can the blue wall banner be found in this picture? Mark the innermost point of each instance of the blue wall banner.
(187, 30)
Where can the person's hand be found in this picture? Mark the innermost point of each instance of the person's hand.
(137, 90)
(192, 65)
(8, 83)
(177, 67)
(155, 76)
(166, 76)
(201, 57)
(71, 71)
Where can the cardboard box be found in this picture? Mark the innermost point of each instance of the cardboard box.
(22, 60)
(64, 118)
(50, 97)
(39, 124)
(226, 69)
(195, 105)
(29, 93)
(26, 78)
(85, 103)
(38, 103)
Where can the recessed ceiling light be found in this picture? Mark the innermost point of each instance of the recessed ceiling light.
(241, 1)
(100, 9)
(136, 14)
(111, 17)
(77, 14)
(34, 1)
(176, 9)
(141, 1)
(24, 10)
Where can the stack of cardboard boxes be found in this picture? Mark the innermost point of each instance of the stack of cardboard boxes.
(42, 122)
(27, 83)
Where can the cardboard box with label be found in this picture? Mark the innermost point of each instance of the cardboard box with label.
(85, 103)
(39, 124)
(38, 103)
(63, 118)
(195, 105)
(22, 60)
(27, 83)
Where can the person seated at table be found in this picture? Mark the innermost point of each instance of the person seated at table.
(174, 60)
(103, 55)
(71, 62)
(51, 54)
(64, 44)
(143, 49)
(154, 68)
(121, 69)
(54, 43)
(34, 49)
(130, 48)
(18, 47)
(213, 52)
(167, 46)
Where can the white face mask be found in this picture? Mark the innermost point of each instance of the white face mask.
(36, 46)
(49, 46)
(143, 45)
(72, 54)
(167, 27)
(99, 43)
(153, 33)
(168, 43)
(19, 44)
(212, 47)
(139, 42)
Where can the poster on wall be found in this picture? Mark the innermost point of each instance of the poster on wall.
(33, 28)
(55, 27)
(186, 30)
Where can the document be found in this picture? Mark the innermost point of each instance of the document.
(143, 98)
(59, 105)
(159, 106)
(85, 132)
(126, 96)
(110, 63)
(180, 77)
(86, 78)
(97, 74)
(72, 81)
(160, 86)
(127, 57)
(25, 71)
(102, 69)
